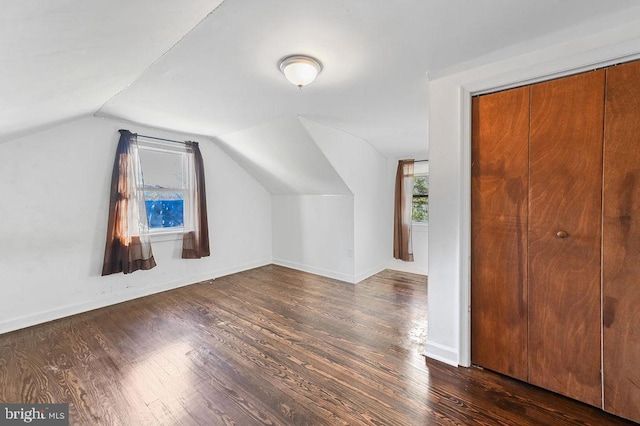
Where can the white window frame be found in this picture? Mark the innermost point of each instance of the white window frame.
(171, 148)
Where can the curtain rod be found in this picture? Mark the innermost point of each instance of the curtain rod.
(162, 139)
(421, 161)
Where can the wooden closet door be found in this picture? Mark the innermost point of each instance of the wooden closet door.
(621, 245)
(499, 187)
(565, 200)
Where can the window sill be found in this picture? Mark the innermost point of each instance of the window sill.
(172, 235)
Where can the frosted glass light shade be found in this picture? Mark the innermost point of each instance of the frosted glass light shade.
(300, 70)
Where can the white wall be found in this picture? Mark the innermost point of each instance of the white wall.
(363, 169)
(53, 217)
(314, 233)
(449, 144)
(420, 264)
(343, 237)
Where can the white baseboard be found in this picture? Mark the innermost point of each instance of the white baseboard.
(244, 267)
(315, 270)
(411, 267)
(441, 353)
(65, 311)
(371, 272)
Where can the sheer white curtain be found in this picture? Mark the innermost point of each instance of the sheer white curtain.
(128, 247)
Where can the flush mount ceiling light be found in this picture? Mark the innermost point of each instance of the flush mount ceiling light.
(300, 69)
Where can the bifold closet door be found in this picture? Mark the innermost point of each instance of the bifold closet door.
(565, 209)
(621, 244)
(499, 186)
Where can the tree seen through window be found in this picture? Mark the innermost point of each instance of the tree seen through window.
(420, 211)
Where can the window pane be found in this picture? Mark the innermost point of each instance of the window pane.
(165, 209)
(421, 185)
(162, 169)
(420, 211)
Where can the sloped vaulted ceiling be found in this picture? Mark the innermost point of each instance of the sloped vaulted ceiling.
(284, 158)
(210, 67)
(65, 58)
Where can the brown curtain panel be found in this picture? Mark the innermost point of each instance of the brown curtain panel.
(128, 248)
(403, 203)
(195, 244)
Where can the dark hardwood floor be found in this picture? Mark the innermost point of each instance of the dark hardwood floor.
(269, 346)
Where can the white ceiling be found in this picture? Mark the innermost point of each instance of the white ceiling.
(64, 58)
(199, 68)
(286, 159)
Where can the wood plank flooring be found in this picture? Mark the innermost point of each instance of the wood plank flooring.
(269, 346)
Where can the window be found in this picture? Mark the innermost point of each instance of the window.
(165, 170)
(420, 209)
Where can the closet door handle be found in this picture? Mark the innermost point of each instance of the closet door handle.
(562, 234)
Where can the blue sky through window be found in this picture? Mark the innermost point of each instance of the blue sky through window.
(165, 213)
